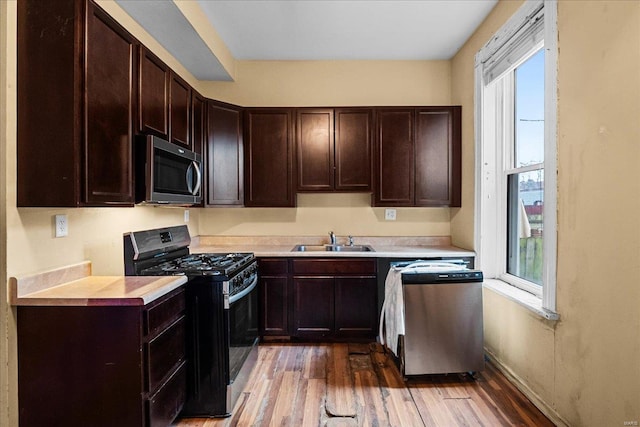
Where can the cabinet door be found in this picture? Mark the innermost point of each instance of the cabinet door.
(108, 119)
(180, 105)
(314, 142)
(437, 157)
(274, 296)
(275, 307)
(268, 158)
(153, 103)
(48, 151)
(356, 306)
(353, 136)
(394, 158)
(198, 122)
(224, 155)
(313, 311)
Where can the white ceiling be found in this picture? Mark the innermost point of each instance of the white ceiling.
(314, 29)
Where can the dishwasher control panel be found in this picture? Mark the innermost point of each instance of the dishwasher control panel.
(435, 277)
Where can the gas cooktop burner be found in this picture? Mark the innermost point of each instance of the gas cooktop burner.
(203, 264)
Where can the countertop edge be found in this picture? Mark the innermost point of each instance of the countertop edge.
(36, 299)
(261, 251)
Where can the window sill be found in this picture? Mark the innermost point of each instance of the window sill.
(525, 299)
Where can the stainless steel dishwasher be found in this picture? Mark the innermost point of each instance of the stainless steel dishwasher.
(443, 331)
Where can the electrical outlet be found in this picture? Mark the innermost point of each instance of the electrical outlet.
(62, 226)
(390, 214)
(186, 215)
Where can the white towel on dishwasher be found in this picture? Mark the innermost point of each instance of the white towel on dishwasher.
(392, 315)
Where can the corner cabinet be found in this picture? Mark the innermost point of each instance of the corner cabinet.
(334, 149)
(224, 155)
(76, 69)
(119, 365)
(268, 157)
(418, 157)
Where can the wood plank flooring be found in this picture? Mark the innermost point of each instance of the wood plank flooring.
(351, 385)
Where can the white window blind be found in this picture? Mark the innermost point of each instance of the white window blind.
(503, 52)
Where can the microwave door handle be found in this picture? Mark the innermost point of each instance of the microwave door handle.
(196, 167)
(188, 175)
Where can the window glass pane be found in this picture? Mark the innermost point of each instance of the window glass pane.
(529, 105)
(524, 221)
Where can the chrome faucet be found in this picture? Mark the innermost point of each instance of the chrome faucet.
(350, 240)
(332, 238)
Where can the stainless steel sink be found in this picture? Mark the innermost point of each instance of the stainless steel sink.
(332, 248)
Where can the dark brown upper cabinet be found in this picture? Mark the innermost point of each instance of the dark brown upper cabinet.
(224, 155)
(418, 155)
(76, 69)
(179, 106)
(154, 91)
(164, 105)
(315, 149)
(198, 131)
(438, 156)
(268, 157)
(353, 147)
(198, 135)
(395, 181)
(333, 149)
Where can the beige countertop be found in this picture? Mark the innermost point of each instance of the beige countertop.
(75, 286)
(281, 246)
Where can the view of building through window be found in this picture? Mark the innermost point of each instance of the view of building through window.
(526, 177)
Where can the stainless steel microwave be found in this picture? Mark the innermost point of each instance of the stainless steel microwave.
(167, 173)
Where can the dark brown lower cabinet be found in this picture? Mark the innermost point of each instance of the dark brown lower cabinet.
(318, 298)
(334, 298)
(102, 365)
(274, 296)
(356, 306)
(313, 310)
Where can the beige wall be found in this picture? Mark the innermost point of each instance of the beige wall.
(586, 367)
(335, 83)
(317, 214)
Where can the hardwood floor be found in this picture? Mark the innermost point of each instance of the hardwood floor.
(358, 385)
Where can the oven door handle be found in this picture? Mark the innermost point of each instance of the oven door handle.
(244, 292)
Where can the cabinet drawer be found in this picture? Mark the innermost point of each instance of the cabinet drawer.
(164, 352)
(334, 266)
(165, 311)
(272, 267)
(164, 406)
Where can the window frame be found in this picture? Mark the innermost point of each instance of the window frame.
(491, 168)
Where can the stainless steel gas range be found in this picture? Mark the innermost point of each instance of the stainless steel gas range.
(222, 313)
